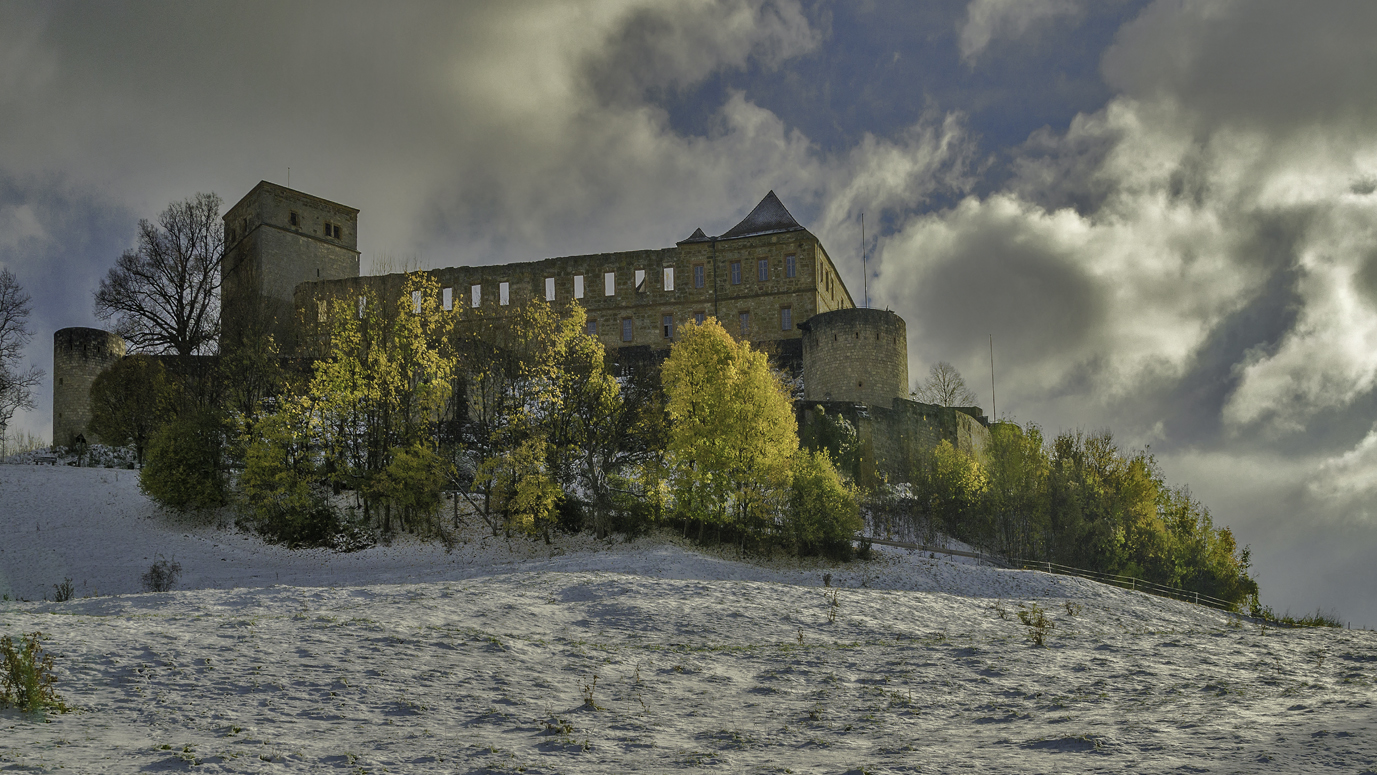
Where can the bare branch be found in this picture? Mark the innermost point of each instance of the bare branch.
(944, 387)
(16, 387)
(164, 294)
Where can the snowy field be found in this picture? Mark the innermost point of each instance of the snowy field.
(408, 659)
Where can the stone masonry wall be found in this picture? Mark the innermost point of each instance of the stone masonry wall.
(646, 304)
(894, 439)
(79, 356)
(855, 355)
(268, 256)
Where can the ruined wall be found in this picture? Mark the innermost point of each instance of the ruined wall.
(892, 440)
(79, 356)
(635, 313)
(855, 355)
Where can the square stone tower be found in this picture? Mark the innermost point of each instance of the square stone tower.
(275, 239)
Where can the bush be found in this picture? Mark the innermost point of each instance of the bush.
(162, 575)
(27, 675)
(279, 495)
(64, 591)
(823, 513)
(1035, 619)
(184, 469)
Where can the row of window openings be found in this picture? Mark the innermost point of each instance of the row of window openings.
(786, 323)
(786, 314)
(609, 287)
(609, 280)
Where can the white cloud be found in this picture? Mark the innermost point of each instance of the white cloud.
(1350, 480)
(989, 20)
(1125, 248)
(19, 223)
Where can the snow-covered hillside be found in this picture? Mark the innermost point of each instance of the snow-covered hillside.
(408, 659)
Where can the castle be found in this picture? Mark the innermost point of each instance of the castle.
(767, 279)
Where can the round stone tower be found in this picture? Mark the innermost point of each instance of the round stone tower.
(855, 355)
(79, 355)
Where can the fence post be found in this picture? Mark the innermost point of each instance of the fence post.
(1133, 583)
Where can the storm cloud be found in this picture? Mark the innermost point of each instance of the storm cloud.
(1163, 213)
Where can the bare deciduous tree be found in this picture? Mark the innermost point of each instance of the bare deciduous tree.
(164, 294)
(16, 386)
(944, 387)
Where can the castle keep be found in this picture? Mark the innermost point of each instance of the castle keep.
(767, 279)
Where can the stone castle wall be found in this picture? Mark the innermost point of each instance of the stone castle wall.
(276, 239)
(79, 356)
(721, 279)
(893, 439)
(855, 355)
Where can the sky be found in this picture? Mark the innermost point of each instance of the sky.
(1164, 214)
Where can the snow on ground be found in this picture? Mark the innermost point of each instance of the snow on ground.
(409, 659)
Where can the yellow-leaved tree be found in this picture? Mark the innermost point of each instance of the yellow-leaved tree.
(378, 397)
(732, 434)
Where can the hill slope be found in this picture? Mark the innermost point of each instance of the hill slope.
(407, 659)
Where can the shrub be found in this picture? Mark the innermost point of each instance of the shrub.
(27, 675)
(823, 512)
(184, 470)
(162, 575)
(64, 591)
(279, 495)
(1035, 619)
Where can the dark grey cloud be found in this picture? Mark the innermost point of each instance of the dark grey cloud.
(1274, 65)
(998, 277)
(1170, 236)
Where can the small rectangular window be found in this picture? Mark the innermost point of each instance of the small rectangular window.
(416, 302)
(626, 329)
(667, 326)
(592, 328)
(762, 269)
(699, 276)
(699, 317)
(736, 273)
(294, 219)
(790, 266)
(447, 298)
(476, 291)
(745, 320)
(640, 281)
(578, 286)
(504, 294)
(329, 230)
(786, 318)
(549, 289)
(337, 231)
(669, 278)
(609, 284)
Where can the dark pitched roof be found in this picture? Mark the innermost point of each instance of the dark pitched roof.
(768, 217)
(696, 236)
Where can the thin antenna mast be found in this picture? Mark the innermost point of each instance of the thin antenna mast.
(865, 272)
(994, 409)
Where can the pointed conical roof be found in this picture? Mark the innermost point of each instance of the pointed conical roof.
(696, 236)
(768, 217)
